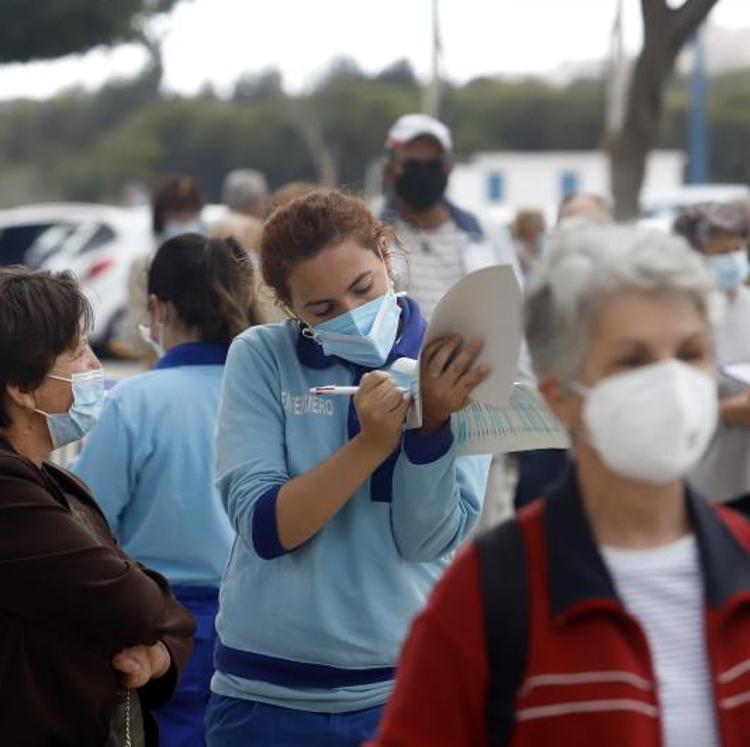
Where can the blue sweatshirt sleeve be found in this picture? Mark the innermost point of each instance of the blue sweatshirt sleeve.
(106, 464)
(251, 464)
(437, 497)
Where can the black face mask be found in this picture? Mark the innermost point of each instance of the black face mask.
(422, 184)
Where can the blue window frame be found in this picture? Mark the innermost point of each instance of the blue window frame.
(569, 183)
(495, 186)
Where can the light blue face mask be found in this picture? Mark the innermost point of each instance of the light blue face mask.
(730, 270)
(365, 335)
(88, 398)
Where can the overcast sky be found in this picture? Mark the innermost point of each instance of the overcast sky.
(216, 40)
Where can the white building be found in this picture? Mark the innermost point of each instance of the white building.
(499, 183)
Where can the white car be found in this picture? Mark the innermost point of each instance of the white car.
(97, 242)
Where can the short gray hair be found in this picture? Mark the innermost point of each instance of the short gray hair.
(587, 263)
(243, 187)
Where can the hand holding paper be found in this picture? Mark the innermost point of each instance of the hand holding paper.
(486, 306)
(498, 415)
(448, 378)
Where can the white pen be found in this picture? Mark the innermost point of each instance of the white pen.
(341, 391)
(338, 391)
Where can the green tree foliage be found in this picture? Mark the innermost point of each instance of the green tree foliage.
(45, 29)
(87, 146)
(354, 114)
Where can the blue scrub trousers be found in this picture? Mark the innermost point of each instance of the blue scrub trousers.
(181, 720)
(231, 722)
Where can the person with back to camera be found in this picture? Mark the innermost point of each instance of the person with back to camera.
(343, 521)
(615, 611)
(91, 641)
(150, 458)
(176, 208)
(245, 193)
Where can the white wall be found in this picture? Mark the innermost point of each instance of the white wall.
(537, 179)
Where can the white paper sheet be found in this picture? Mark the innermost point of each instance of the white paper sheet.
(739, 372)
(525, 423)
(485, 305)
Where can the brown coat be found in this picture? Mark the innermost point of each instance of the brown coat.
(70, 599)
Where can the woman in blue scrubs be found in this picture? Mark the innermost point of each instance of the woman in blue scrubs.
(344, 520)
(150, 459)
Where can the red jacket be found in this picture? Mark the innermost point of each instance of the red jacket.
(588, 679)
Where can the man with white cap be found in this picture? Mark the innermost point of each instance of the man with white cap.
(442, 242)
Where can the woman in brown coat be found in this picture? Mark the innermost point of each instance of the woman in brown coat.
(89, 640)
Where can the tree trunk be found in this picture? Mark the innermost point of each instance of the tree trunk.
(303, 119)
(665, 32)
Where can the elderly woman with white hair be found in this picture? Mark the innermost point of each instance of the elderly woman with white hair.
(616, 611)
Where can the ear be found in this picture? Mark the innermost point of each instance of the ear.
(20, 398)
(564, 403)
(159, 309)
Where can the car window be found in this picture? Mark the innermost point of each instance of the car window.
(15, 241)
(48, 243)
(99, 236)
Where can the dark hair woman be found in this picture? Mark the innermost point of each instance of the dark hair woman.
(343, 521)
(150, 459)
(176, 206)
(91, 640)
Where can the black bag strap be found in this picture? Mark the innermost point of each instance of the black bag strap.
(505, 590)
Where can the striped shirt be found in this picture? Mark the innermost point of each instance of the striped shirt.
(431, 263)
(663, 590)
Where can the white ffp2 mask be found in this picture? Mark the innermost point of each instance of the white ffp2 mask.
(652, 424)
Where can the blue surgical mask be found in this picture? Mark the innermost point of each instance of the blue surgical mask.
(730, 270)
(365, 335)
(88, 398)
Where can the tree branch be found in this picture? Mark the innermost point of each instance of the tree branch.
(687, 18)
(653, 11)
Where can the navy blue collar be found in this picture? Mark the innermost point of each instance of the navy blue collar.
(577, 571)
(464, 220)
(195, 354)
(311, 354)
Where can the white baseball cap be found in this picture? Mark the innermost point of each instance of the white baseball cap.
(411, 126)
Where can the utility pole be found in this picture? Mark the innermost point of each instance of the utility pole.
(616, 77)
(699, 149)
(431, 95)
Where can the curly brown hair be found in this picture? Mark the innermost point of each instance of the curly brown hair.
(302, 228)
